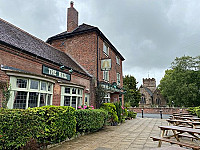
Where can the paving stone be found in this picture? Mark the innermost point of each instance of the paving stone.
(132, 135)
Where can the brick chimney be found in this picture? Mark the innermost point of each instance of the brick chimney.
(72, 18)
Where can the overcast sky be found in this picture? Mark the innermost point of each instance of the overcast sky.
(148, 33)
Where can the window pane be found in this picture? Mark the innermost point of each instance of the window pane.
(49, 87)
(34, 84)
(79, 101)
(43, 86)
(42, 99)
(20, 100)
(66, 100)
(67, 90)
(49, 99)
(74, 101)
(33, 99)
(21, 83)
(74, 91)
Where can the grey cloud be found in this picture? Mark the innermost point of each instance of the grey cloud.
(148, 33)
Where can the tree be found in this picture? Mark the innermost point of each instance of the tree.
(132, 94)
(100, 93)
(181, 84)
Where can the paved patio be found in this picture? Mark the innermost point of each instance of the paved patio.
(132, 135)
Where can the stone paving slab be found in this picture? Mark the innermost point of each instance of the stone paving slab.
(131, 135)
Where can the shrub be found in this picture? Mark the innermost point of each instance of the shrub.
(131, 114)
(17, 127)
(45, 125)
(119, 111)
(112, 114)
(60, 123)
(90, 120)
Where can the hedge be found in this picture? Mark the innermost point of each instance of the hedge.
(90, 120)
(60, 123)
(17, 127)
(46, 125)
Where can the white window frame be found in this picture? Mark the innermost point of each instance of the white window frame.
(79, 96)
(118, 78)
(106, 48)
(117, 60)
(106, 75)
(107, 98)
(14, 89)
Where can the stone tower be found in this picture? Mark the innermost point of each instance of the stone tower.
(150, 83)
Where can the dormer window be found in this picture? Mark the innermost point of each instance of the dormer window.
(105, 48)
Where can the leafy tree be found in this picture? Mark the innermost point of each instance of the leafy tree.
(132, 94)
(100, 93)
(181, 84)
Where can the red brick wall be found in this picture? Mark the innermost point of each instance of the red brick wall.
(115, 67)
(14, 58)
(157, 110)
(83, 48)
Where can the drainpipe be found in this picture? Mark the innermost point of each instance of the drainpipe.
(97, 59)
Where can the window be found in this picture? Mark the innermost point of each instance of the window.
(67, 90)
(107, 98)
(29, 93)
(105, 48)
(118, 78)
(117, 60)
(71, 96)
(21, 83)
(87, 99)
(106, 75)
(34, 84)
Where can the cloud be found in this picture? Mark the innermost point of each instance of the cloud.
(148, 33)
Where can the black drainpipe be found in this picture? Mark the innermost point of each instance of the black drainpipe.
(97, 59)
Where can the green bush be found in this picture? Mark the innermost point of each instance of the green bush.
(60, 123)
(193, 110)
(90, 120)
(112, 114)
(119, 111)
(45, 125)
(131, 114)
(17, 127)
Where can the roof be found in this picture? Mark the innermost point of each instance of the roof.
(13, 36)
(149, 91)
(82, 29)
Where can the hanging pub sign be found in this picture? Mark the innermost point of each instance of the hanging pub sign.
(106, 64)
(52, 72)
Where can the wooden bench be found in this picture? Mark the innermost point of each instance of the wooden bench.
(194, 147)
(168, 148)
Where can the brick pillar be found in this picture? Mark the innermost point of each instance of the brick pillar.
(56, 95)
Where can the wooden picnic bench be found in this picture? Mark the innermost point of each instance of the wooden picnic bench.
(177, 132)
(169, 148)
(194, 147)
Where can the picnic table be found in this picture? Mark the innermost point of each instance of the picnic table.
(179, 122)
(177, 131)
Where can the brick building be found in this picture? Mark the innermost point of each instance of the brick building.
(90, 47)
(38, 73)
(150, 94)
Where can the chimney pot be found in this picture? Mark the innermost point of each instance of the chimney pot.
(72, 4)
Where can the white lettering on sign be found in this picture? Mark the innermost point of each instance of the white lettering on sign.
(52, 72)
(56, 73)
(62, 75)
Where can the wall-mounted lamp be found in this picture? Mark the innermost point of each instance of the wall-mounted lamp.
(71, 71)
(62, 67)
